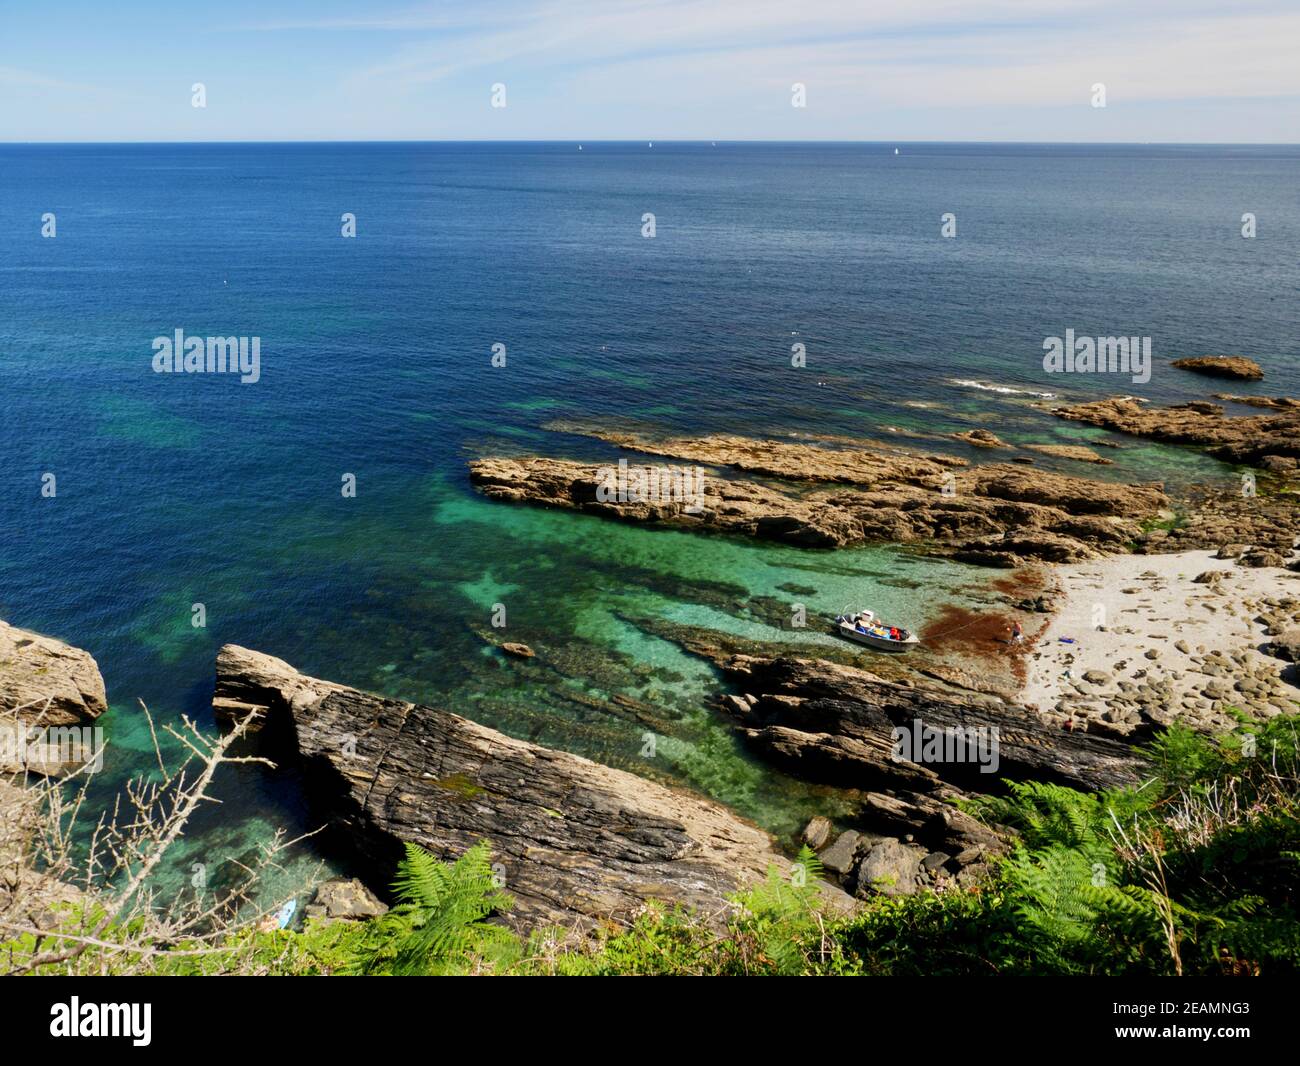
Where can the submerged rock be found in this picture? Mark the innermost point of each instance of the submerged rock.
(981, 438)
(1076, 452)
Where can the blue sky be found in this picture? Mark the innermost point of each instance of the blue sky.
(651, 69)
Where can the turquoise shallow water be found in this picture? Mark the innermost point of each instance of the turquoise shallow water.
(177, 489)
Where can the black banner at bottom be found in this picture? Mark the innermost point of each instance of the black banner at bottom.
(148, 1015)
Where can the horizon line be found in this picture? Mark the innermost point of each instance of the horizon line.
(667, 140)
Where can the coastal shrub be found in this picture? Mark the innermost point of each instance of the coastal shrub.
(1196, 870)
(440, 923)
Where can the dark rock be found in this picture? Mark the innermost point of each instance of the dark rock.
(935, 861)
(838, 858)
(890, 868)
(1286, 646)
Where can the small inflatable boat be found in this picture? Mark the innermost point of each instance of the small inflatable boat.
(865, 628)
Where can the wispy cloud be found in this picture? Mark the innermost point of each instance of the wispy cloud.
(722, 68)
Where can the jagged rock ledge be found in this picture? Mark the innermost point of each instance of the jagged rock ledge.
(1270, 441)
(835, 724)
(996, 514)
(578, 840)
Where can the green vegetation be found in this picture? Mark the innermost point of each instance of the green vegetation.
(1195, 871)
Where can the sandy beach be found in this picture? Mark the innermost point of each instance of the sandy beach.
(1138, 640)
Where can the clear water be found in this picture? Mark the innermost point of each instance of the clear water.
(177, 489)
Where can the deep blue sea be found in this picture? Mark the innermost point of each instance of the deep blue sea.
(177, 489)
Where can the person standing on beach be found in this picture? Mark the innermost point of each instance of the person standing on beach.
(1017, 633)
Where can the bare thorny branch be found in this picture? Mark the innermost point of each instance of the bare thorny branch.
(118, 916)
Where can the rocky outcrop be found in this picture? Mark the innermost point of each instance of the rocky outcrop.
(834, 723)
(45, 685)
(1222, 366)
(842, 726)
(828, 459)
(837, 724)
(46, 682)
(576, 840)
(1000, 514)
(1251, 439)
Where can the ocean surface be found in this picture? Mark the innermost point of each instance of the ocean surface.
(376, 361)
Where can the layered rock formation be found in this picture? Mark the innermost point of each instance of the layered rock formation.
(835, 723)
(47, 682)
(576, 839)
(1216, 516)
(996, 514)
(44, 684)
(839, 725)
(1267, 441)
